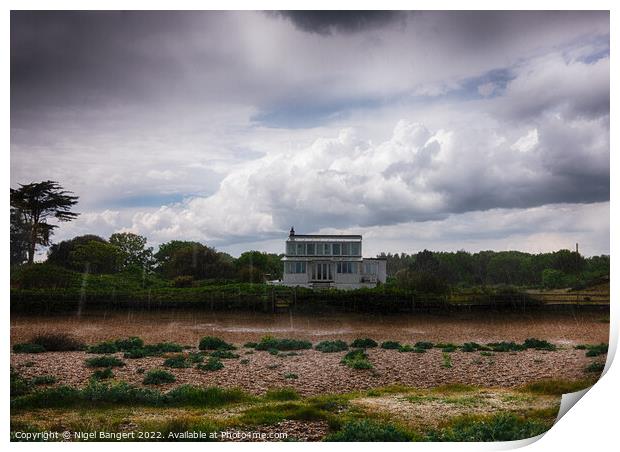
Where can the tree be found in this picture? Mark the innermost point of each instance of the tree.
(19, 238)
(38, 202)
(97, 257)
(134, 254)
(60, 253)
(180, 258)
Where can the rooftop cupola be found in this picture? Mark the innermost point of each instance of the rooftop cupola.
(292, 233)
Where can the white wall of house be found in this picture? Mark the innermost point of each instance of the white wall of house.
(355, 272)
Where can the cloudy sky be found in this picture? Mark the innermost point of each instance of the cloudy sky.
(438, 130)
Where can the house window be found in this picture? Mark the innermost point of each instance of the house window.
(346, 267)
(319, 249)
(346, 249)
(336, 249)
(295, 267)
(370, 268)
(327, 248)
(355, 249)
(310, 249)
(301, 249)
(290, 248)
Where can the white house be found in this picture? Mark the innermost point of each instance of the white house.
(324, 261)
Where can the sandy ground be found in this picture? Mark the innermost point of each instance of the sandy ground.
(319, 373)
(187, 327)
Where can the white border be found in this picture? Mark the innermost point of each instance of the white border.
(591, 425)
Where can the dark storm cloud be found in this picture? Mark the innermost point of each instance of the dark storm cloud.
(237, 123)
(327, 22)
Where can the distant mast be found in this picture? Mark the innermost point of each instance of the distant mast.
(577, 248)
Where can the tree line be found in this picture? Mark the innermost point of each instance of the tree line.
(185, 262)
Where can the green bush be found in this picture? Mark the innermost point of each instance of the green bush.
(104, 361)
(473, 347)
(195, 358)
(291, 376)
(364, 343)
(424, 345)
(19, 385)
(539, 344)
(357, 359)
(176, 361)
(136, 353)
(331, 346)
(43, 380)
(44, 276)
(58, 342)
(224, 354)
(597, 350)
(596, 367)
(446, 347)
(390, 345)
(365, 430)
(272, 343)
(214, 343)
(505, 347)
(408, 348)
(158, 377)
(103, 374)
(211, 365)
(250, 344)
(103, 347)
(130, 343)
(28, 348)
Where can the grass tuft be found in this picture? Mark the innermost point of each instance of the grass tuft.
(214, 343)
(364, 343)
(104, 361)
(331, 346)
(158, 377)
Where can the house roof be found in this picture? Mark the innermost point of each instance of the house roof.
(324, 236)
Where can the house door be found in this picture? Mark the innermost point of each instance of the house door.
(323, 271)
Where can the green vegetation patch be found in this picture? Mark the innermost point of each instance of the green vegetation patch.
(211, 365)
(177, 361)
(539, 344)
(424, 345)
(447, 360)
(103, 347)
(214, 343)
(281, 395)
(364, 343)
(19, 384)
(224, 354)
(556, 387)
(473, 347)
(43, 380)
(597, 350)
(103, 374)
(357, 359)
(130, 343)
(498, 427)
(272, 343)
(596, 367)
(366, 430)
(273, 413)
(158, 377)
(28, 348)
(58, 342)
(447, 347)
(506, 346)
(331, 346)
(391, 345)
(121, 393)
(104, 361)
